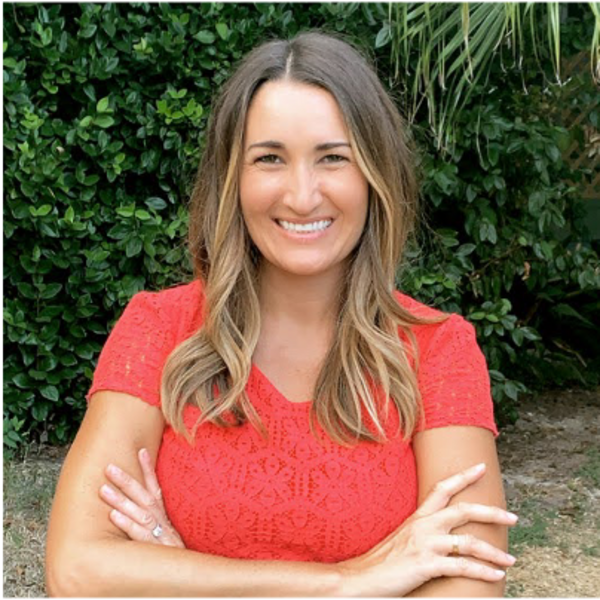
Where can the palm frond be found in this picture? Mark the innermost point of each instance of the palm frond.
(452, 46)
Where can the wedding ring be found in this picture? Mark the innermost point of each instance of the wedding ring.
(157, 531)
(455, 548)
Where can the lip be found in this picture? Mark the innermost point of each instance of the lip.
(304, 236)
(304, 221)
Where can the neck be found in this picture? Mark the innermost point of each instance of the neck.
(309, 301)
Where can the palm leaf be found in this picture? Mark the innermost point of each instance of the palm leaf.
(455, 44)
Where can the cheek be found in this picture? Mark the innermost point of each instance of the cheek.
(257, 194)
(353, 196)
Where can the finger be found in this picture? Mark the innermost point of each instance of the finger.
(468, 545)
(463, 567)
(463, 512)
(136, 492)
(133, 530)
(445, 489)
(150, 476)
(130, 509)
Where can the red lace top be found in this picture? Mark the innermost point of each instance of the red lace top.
(236, 494)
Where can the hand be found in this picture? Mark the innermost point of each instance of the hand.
(138, 510)
(422, 548)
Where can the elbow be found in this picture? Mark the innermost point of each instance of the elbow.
(65, 578)
(60, 582)
(70, 574)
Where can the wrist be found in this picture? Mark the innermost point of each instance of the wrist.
(347, 581)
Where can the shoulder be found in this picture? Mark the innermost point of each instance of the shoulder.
(426, 334)
(418, 309)
(178, 309)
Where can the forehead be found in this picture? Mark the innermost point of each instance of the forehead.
(284, 109)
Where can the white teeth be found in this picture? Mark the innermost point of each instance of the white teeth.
(316, 226)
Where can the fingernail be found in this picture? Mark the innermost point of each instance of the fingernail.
(108, 491)
(499, 572)
(113, 469)
(117, 516)
(514, 518)
(510, 558)
(479, 467)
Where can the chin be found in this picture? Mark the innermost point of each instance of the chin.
(303, 269)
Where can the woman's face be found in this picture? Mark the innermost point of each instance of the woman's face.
(303, 197)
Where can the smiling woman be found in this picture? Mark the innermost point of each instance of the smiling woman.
(288, 423)
(305, 201)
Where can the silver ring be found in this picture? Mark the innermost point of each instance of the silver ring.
(157, 531)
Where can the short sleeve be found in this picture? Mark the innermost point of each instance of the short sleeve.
(454, 380)
(136, 350)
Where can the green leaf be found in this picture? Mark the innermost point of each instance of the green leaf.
(102, 105)
(40, 411)
(26, 290)
(568, 311)
(88, 31)
(517, 336)
(384, 36)
(222, 30)
(142, 215)
(134, 247)
(21, 380)
(69, 215)
(511, 390)
(49, 392)
(477, 316)
(50, 291)
(85, 351)
(471, 193)
(68, 360)
(205, 37)
(530, 334)
(465, 249)
(125, 211)
(43, 210)
(104, 121)
(37, 375)
(155, 203)
(99, 255)
(48, 363)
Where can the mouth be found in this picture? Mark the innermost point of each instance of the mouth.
(311, 227)
(309, 231)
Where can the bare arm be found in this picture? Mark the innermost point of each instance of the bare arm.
(440, 453)
(88, 556)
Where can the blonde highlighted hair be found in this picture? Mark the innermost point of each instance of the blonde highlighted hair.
(367, 349)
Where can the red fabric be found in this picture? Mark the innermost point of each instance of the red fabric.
(287, 498)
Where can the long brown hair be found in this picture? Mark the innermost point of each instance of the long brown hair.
(367, 348)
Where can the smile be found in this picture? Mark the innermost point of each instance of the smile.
(305, 227)
(306, 232)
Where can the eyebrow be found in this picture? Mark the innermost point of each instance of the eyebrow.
(279, 145)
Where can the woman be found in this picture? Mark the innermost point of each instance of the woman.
(304, 199)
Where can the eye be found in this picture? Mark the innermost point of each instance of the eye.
(334, 158)
(269, 159)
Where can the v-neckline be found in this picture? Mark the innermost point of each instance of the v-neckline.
(267, 382)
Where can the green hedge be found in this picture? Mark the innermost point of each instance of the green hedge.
(105, 107)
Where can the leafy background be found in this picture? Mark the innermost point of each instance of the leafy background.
(105, 108)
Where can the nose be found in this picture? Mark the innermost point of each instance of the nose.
(303, 193)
